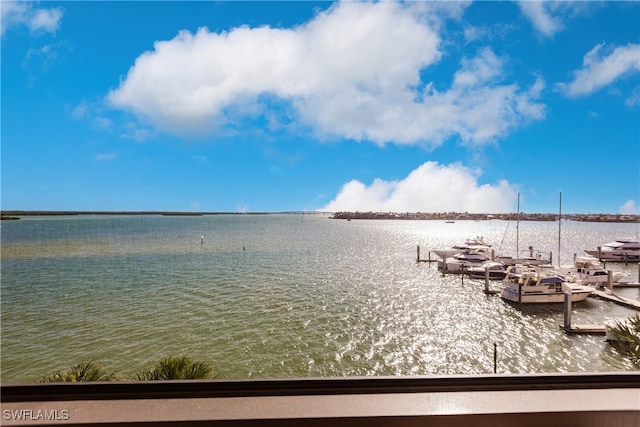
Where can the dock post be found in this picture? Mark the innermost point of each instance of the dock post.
(530, 252)
(520, 294)
(495, 358)
(550, 257)
(600, 253)
(418, 255)
(567, 310)
(639, 272)
(493, 254)
(610, 281)
(486, 280)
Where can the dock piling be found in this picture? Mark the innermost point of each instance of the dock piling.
(520, 295)
(486, 280)
(495, 358)
(567, 310)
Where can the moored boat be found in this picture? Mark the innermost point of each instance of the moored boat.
(620, 250)
(477, 244)
(587, 270)
(461, 262)
(529, 284)
(497, 270)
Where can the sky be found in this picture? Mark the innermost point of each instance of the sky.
(243, 106)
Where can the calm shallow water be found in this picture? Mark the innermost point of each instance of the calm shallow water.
(282, 296)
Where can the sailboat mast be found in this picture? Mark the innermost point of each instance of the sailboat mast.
(518, 228)
(559, 228)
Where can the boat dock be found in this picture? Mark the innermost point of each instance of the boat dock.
(578, 329)
(429, 260)
(585, 329)
(607, 295)
(627, 302)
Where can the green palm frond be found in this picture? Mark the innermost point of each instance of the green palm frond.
(82, 372)
(176, 368)
(627, 338)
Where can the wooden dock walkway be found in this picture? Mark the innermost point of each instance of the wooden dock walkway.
(627, 302)
(585, 329)
(593, 329)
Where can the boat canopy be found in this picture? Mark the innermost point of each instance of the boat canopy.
(553, 279)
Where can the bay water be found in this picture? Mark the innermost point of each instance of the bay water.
(284, 295)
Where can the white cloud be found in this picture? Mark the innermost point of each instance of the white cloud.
(429, 188)
(137, 133)
(540, 13)
(548, 17)
(353, 71)
(101, 122)
(600, 69)
(202, 159)
(37, 20)
(630, 208)
(633, 99)
(46, 20)
(106, 156)
(43, 56)
(80, 111)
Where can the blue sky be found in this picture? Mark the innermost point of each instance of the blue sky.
(274, 106)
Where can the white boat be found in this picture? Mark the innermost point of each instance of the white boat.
(587, 270)
(462, 261)
(532, 260)
(529, 284)
(477, 244)
(621, 250)
(497, 270)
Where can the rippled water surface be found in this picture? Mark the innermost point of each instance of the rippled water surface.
(282, 296)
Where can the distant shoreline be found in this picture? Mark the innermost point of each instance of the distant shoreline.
(15, 215)
(457, 216)
(445, 216)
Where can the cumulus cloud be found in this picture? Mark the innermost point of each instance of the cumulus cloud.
(432, 187)
(541, 16)
(37, 20)
(354, 71)
(630, 207)
(602, 66)
(548, 17)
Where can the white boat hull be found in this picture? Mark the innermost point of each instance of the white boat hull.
(621, 250)
(615, 256)
(541, 298)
